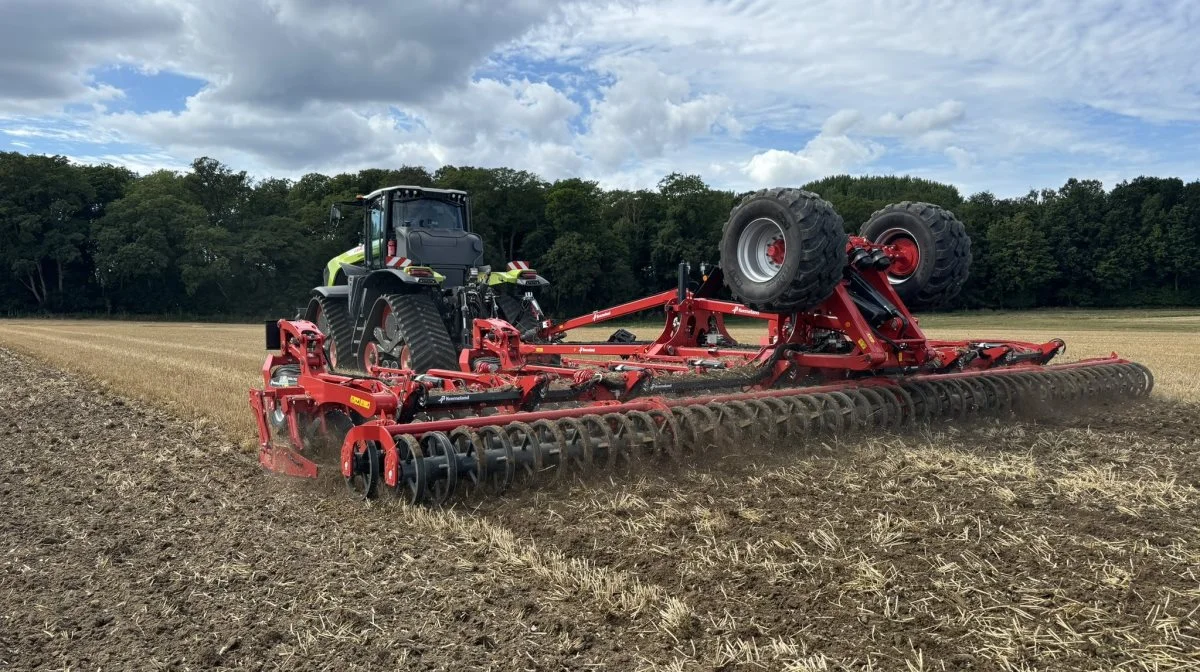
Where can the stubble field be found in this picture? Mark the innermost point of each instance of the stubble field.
(139, 532)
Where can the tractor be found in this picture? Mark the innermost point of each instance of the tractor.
(406, 297)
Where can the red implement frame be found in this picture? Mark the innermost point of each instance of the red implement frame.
(504, 380)
(897, 343)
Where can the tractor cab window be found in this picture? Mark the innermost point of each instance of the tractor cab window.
(376, 243)
(427, 213)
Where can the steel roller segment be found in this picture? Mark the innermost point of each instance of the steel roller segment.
(491, 457)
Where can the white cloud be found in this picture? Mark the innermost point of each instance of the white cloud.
(486, 123)
(646, 112)
(47, 47)
(488, 108)
(921, 120)
(829, 152)
(744, 92)
(840, 122)
(141, 163)
(962, 158)
(287, 53)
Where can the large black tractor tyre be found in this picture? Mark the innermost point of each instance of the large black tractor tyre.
(941, 245)
(406, 331)
(783, 250)
(332, 317)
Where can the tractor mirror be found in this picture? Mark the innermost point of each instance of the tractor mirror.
(335, 214)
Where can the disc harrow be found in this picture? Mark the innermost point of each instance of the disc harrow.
(529, 407)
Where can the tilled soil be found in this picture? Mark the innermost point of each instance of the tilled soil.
(131, 540)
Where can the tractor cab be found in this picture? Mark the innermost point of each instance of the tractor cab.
(406, 226)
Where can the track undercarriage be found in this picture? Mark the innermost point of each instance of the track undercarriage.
(518, 410)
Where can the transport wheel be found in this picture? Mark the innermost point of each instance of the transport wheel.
(332, 317)
(935, 251)
(406, 331)
(783, 250)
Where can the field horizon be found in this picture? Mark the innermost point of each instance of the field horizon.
(211, 366)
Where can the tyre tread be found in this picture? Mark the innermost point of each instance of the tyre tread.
(341, 335)
(424, 331)
(952, 253)
(823, 260)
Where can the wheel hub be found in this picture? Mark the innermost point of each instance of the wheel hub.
(382, 350)
(370, 355)
(776, 251)
(905, 254)
(761, 250)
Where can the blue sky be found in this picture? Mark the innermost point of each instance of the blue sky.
(747, 93)
(146, 91)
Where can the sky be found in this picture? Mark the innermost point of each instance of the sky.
(997, 96)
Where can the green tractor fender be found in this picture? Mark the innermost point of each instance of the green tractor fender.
(333, 274)
(518, 274)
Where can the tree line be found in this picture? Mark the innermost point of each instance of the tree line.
(213, 242)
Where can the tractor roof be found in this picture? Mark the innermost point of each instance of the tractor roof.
(421, 190)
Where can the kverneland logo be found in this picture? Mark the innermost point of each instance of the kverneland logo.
(742, 310)
(600, 315)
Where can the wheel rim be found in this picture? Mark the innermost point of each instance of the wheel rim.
(907, 257)
(761, 250)
(372, 354)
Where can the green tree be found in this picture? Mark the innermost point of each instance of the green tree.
(219, 190)
(693, 215)
(1022, 257)
(636, 218)
(857, 198)
(45, 205)
(138, 243)
(574, 264)
(1175, 240)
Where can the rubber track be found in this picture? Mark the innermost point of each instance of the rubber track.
(511, 308)
(953, 253)
(823, 259)
(420, 322)
(524, 322)
(341, 331)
